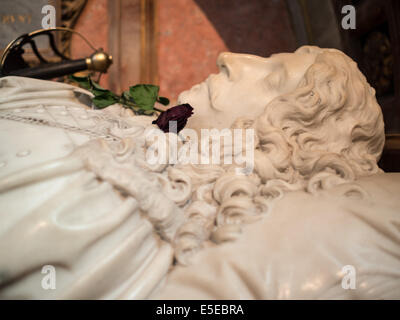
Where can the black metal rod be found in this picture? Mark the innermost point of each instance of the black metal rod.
(50, 71)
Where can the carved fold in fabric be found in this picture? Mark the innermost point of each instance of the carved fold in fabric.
(315, 201)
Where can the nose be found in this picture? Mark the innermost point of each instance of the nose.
(235, 64)
(224, 63)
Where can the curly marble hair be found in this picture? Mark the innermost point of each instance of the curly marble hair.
(328, 131)
(330, 123)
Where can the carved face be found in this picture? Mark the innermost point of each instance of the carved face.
(243, 87)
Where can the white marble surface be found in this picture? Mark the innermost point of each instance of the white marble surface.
(76, 192)
(55, 210)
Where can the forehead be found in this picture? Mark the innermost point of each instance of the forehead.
(291, 56)
(295, 60)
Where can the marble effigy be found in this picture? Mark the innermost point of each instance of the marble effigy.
(77, 193)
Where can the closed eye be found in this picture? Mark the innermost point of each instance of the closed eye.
(277, 78)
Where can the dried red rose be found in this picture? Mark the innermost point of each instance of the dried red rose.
(179, 113)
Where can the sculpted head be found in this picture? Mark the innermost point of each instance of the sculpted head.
(312, 110)
(317, 124)
(244, 86)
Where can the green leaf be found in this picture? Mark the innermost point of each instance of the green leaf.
(126, 95)
(140, 98)
(97, 87)
(83, 82)
(102, 102)
(105, 99)
(163, 100)
(144, 95)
